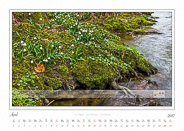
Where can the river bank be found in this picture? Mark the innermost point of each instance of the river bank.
(85, 53)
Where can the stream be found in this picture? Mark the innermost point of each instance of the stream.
(156, 46)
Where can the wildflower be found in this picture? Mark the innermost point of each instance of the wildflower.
(48, 27)
(72, 52)
(49, 58)
(40, 18)
(81, 35)
(32, 61)
(52, 19)
(52, 45)
(89, 33)
(71, 26)
(29, 13)
(45, 60)
(35, 38)
(79, 32)
(61, 53)
(22, 42)
(24, 50)
(77, 38)
(59, 46)
(72, 45)
(40, 48)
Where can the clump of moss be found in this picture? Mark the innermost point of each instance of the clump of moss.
(94, 74)
(49, 81)
(137, 61)
(64, 71)
(37, 17)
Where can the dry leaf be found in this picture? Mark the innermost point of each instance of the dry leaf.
(122, 56)
(46, 39)
(39, 68)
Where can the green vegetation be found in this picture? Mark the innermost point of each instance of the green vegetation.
(52, 49)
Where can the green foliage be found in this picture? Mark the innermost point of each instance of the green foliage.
(74, 45)
(94, 74)
(64, 71)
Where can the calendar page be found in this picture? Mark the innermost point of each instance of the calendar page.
(92, 68)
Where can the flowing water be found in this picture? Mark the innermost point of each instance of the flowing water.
(157, 48)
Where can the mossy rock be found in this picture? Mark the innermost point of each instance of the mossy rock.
(49, 80)
(64, 71)
(94, 74)
(138, 62)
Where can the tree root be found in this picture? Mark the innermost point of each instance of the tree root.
(127, 91)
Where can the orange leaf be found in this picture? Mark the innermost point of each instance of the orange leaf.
(39, 68)
(122, 56)
(46, 39)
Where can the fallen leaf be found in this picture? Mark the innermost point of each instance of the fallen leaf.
(140, 88)
(39, 68)
(122, 56)
(46, 39)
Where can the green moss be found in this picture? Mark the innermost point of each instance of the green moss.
(64, 71)
(49, 80)
(37, 17)
(94, 74)
(138, 62)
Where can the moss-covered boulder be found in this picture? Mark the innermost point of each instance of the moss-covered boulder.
(94, 74)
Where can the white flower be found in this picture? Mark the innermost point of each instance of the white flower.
(35, 38)
(52, 45)
(22, 42)
(79, 32)
(40, 48)
(71, 26)
(72, 45)
(89, 33)
(81, 35)
(77, 38)
(45, 60)
(61, 53)
(59, 46)
(40, 18)
(24, 50)
(72, 52)
(52, 19)
(48, 57)
(29, 13)
(48, 27)
(32, 61)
